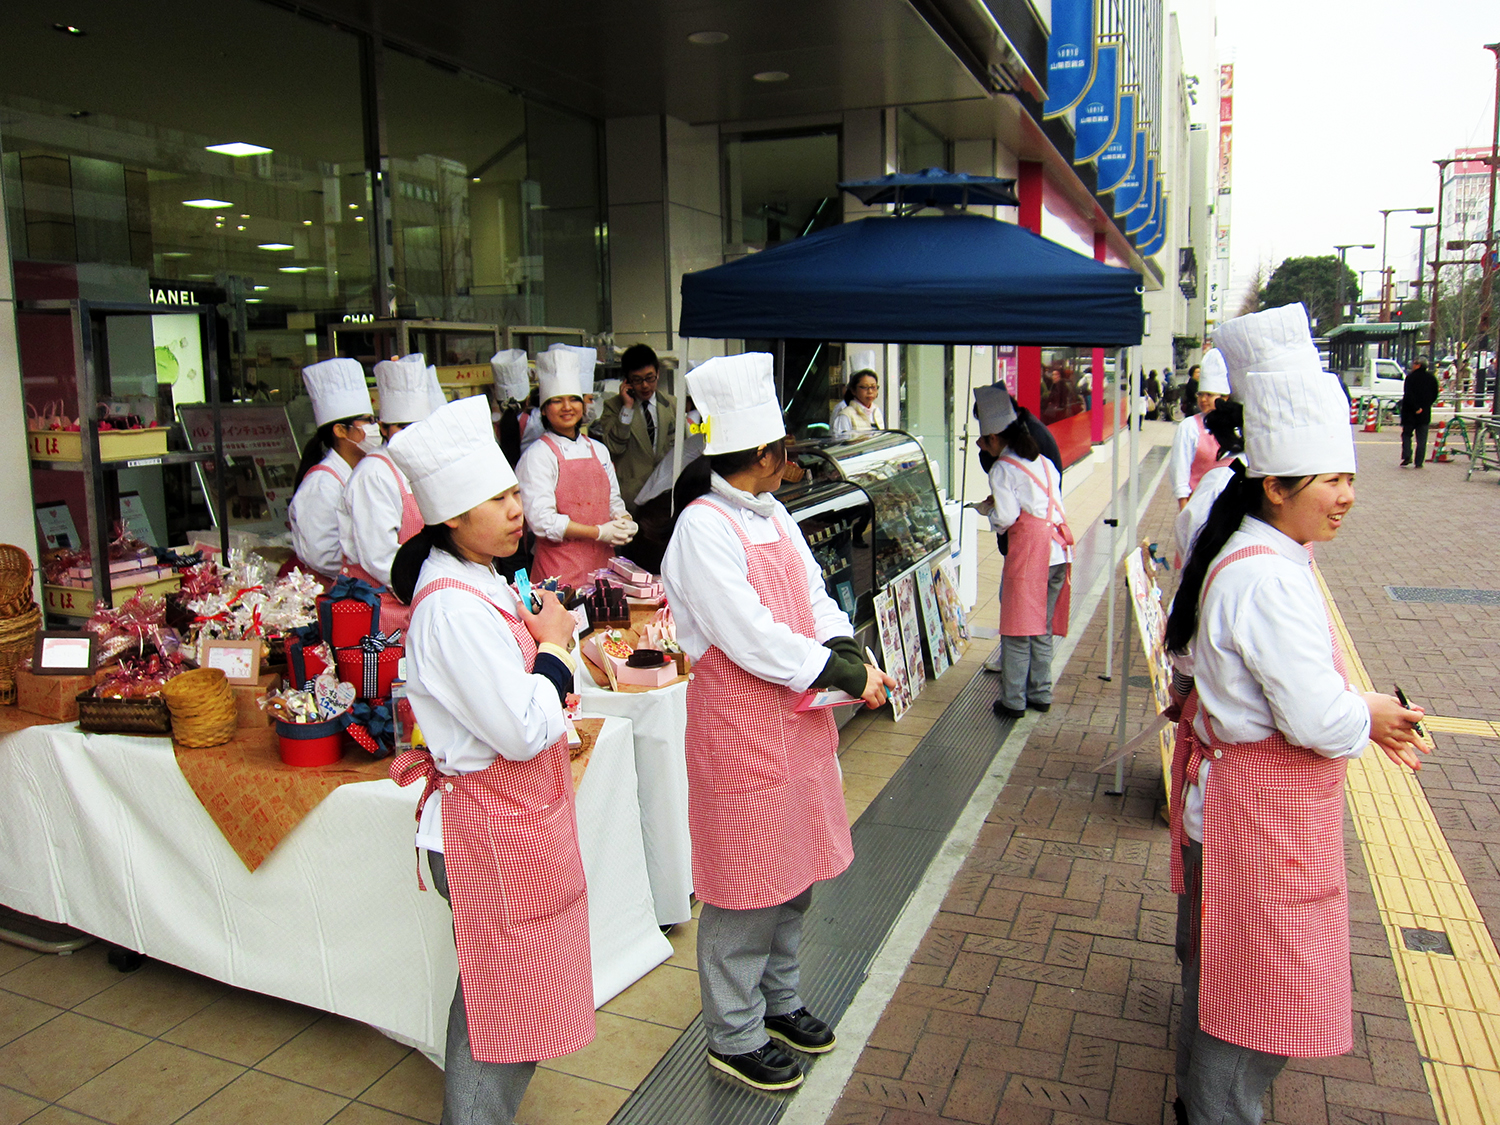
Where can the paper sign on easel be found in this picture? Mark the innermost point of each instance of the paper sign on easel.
(911, 632)
(888, 626)
(932, 622)
(137, 522)
(57, 527)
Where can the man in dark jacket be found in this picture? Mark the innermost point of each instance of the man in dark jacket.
(1416, 410)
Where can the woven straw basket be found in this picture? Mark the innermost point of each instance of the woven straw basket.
(19, 617)
(202, 706)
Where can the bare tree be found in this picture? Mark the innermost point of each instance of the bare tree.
(1250, 302)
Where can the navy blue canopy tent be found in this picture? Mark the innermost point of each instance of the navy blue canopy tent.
(941, 279)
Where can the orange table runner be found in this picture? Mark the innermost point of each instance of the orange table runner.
(256, 799)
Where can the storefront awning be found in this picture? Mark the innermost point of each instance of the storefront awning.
(953, 279)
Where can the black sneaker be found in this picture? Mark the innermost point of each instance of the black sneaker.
(803, 1030)
(1043, 708)
(767, 1067)
(1004, 712)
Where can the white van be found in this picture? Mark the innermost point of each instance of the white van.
(1381, 378)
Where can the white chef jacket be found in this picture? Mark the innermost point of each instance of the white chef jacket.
(661, 477)
(314, 516)
(713, 604)
(1014, 492)
(537, 473)
(532, 430)
(370, 517)
(469, 690)
(1180, 463)
(1191, 519)
(1263, 659)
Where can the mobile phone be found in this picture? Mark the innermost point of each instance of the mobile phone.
(523, 588)
(1401, 698)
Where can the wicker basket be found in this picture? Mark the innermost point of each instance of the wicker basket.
(123, 716)
(15, 581)
(17, 641)
(202, 706)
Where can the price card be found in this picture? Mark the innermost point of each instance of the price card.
(57, 527)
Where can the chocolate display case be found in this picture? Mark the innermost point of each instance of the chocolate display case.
(869, 510)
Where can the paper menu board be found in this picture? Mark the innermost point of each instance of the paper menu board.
(56, 525)
(888, 626)
(260, 450)
(905, 589)
(932, 621)
(135, 518)
(955, 620)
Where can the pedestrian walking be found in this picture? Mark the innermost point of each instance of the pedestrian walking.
(1419, 393)
(1266, 725)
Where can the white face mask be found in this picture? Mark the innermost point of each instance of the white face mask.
(373, 440)
(593, 410)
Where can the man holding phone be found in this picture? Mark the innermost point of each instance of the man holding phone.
(638, 424)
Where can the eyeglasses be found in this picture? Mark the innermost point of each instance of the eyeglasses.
(642, 380)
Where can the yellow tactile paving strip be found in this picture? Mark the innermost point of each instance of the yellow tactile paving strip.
(1454, 1002)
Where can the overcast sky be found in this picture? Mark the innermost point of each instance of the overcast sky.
(1340, 107)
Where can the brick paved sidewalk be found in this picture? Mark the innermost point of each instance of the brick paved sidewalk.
(1045, 992)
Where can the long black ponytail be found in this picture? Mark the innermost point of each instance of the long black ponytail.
(1243, 496)
(407, 567)
(697, 475)
(318, 445)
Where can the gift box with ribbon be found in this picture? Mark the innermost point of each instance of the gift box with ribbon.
(370, 725)
(305, 655)
(350, 610)
(371, 665)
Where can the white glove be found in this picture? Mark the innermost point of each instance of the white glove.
(617, 532)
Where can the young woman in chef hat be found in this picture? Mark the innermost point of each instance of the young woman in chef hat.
(1035, 590)
(1266, 729)
(486, 678)
(765, 796)
(346, 432)
(1194, 449)
(568, 483)
(378, 512)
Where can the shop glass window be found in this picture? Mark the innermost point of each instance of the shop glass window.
(779, 187)
(495, 203)
(918, 145)
(926, 395)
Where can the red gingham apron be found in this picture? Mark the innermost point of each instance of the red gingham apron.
(1205, 455)
(294, 563)
(394, 613)
(582, 496)
(765, 794)
(520, 910)
(1275, 927)
(1023, 582)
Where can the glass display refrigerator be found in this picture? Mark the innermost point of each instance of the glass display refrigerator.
(870, 511)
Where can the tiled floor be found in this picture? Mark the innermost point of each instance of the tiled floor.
(81, 1042)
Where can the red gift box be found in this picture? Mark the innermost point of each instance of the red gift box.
(349, 611)
(304, 661)
(369, 668)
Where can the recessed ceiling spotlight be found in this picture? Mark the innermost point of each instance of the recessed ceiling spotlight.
(207, 204)
(260, 288)
(79, 113)
(354, 206)
(476, 179)
(293, 269)
(771, 76)
(176, 254)
(275, 246)
(244, 216)
(68, 29)
(708, 38)
(307, 222)
(237, 148)
(239, 228)
(359, 218)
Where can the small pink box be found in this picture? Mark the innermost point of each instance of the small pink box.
(628, 571)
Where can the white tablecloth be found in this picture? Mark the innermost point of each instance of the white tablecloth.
(659, 719)
(103, 833)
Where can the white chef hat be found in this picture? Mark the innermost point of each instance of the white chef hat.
(866, 359)
(451, 459)
(588, 359)
(338, 390)
(435, 393)
(993, 408)
(1266, 341)
(405, 393)
(736, 395)
(561, 371)
(1213, 379)
(511, 377)
(1296, 415)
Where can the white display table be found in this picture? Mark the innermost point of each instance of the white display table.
(102, 832)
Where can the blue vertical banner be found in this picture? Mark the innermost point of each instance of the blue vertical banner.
(1070, 55)
(1113, 164)
(1159, 236)
(1141, 215)
(1133, 186)
(1148, 232)
(1098, 116)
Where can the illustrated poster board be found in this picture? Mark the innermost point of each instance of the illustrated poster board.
(135, 518)
(1151, 624)
(955, 620)
(932, 622)
(261, 450)
(56, 525)
(889, 627)
(905, 589)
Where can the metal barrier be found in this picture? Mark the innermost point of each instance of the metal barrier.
(1484, 449)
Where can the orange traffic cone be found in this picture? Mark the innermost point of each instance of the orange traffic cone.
(1440, 444)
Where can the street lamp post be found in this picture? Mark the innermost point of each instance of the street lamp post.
(1487, 285)
(1437, 252)
(1344, 249)
(1385, 226)
(1421, 257)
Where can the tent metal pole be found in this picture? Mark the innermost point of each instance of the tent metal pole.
(1114, 520)
(1125, 633)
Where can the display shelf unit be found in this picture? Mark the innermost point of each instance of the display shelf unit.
(91, 372)
(405, 331)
